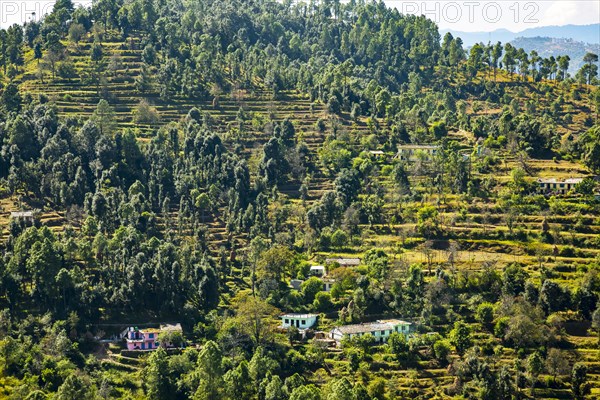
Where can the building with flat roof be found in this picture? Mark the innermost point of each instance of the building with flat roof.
(377, 153)
(414, 152)
(381, 330)
(328, 284)
(28, 215)
(300, 321)
(557, 186)
(296, 283)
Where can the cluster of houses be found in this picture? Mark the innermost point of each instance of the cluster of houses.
(148, 339)
(380, 330)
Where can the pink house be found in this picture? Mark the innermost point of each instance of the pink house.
(142, 339)
(147, 338)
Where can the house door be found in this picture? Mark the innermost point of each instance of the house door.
(143, 346)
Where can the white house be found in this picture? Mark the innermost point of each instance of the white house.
(27, 216)
(412, 152)
(558, 186)
(300, 321)
(328, 284)
(380, 330)
(318, 270)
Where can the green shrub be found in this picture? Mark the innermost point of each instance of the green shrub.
(567, 251)
(144, 113)
(501, 327)
(386, 170)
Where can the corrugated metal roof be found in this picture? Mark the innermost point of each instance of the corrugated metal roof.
(22, 214)
(417, 146)
(343, 261)
(555, 180)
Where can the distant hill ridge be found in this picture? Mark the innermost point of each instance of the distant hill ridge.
(580, 33)
(548, 46)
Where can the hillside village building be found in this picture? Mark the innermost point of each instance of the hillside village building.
(377, 153)
(381, 330)
(142, 339)
(296, 284)
(413, 152)
(147, 338)
(558, 186)
(344, 262)
(318, 270)
(328, 284)
(26, 216)
(300, 321)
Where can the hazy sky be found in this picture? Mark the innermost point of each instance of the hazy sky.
(461, 15)
(514, 15)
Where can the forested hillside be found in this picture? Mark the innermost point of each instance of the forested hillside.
(166, 161)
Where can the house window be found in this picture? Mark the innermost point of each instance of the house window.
(382, 333)
(287, 321)
(303, 322)
(151, 336)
